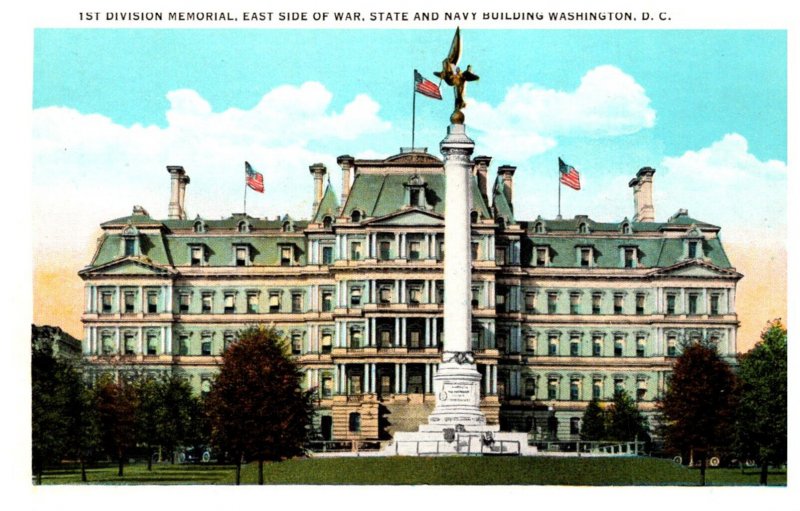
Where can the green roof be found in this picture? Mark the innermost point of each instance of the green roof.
(329, 205)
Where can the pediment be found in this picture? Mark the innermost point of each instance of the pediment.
(129, 266)
(696, 268)
(410, 217)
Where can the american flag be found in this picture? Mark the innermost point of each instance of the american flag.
(569, 175)
(426, 87)
(254, 179)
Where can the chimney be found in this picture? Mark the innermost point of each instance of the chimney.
(642, 186)
(178, 180)
(346, 163)
(318, 170)
(507, 173)
(481, 171)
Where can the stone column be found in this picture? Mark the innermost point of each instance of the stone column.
(457, 381)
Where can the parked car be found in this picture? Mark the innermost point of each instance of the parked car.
(197, 454)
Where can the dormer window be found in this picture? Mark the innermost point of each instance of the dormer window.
(586, 256)
(692, 249)
(538, 228)
(130, 242)
(287, 226)
(287, 256)
(200, 227)
(355, 216)
(474, 217)
(241, 255)
(693, 244)
(501, 223)
(197, 255)
(243, 227)
(415, 192)
(630, 257)
(542, 256)
(583, 228)
(327, 222)
(626, 228)
(414, 197)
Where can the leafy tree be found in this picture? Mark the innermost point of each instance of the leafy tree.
(53, 383)
(625, 422)
(593, 425)
(256, 407)
(84, 431)
(698, 408)
(117, 404)
(761, 432)
(181, 415)
(149, 398)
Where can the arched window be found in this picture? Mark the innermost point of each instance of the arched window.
(501, 223)
(288, 226)
(626, 228)
(243, 227)
(583, 228)
(538, 228)
(200, 226)
(355, 216)
(474, 217)
(327, 221)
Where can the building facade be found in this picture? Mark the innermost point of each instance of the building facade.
(564, 310)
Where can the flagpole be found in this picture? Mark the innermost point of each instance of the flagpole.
(245, 192)
(559, 194)
(413, 109)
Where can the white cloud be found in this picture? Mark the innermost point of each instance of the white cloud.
(607, 103)
(88, 169)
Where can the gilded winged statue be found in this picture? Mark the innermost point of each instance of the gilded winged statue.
(454, 77)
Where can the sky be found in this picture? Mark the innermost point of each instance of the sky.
(113, 108)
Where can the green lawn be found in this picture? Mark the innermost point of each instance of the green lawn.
(442, 470)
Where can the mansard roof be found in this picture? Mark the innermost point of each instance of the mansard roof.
(329, 205)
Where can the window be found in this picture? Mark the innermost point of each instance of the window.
(205, 386)
(693, 303)
(630, 257)
(583, 228)
(414, 250)
(693, 249)
(385, 338)
(206, 304)
(641, 343)
(530, 302)
(385, 250)
(414, 197)
(530, 344)
(205, 345)
(530, 387)
(183, 345)
(619, 385)
(440, 292)
(619, 301)
(107, 302)
(327, 301)
(713, 307)
(539, 228)
(586, 257)
(671, 303)
(575, 426)
(130, 343)
(641, 389)
(476, 339)
(355, 216)
(552, 301)
(500, 255)
(130, 298)
(152, 302)
(327, 255)
(574, 389)
(640, 304)
(242, 258)
(475, 250)
(541, 256)
(297, 344)
(327, 386)
(227, 340)
(414, 294)
(574, 303)
(130, 246)
(552, 344)
(184, 301)
(286, 256)
(574, 346)
(355, 383)
(297, 302)
(500, 301)
(229, 303)
(626, 228)
(252, 303)
(474, 217)
(552, 388)
(415, 381)
(440, 255)
(385, 294)
(619, 346)
(274, 302)
(244, 227)
(597, 346)
(476, 293)
(326, 342)
(355, 250)
(152, 344)
(199, 227)
(501, 341)
(597, 388)
(354, 422)
(672, 346)
(196, 255)
(107, 342)
(355, 338)
(355, 296)
(596, 300)
(415, 337)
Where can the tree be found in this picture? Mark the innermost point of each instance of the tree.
(53, 383)
(593, 425)
(625, 422)
(256, 406)
(698, 407)
(180, 420)
(149, 397)
(117, 404)
(761, 432)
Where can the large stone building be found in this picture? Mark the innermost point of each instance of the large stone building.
(564, 310)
